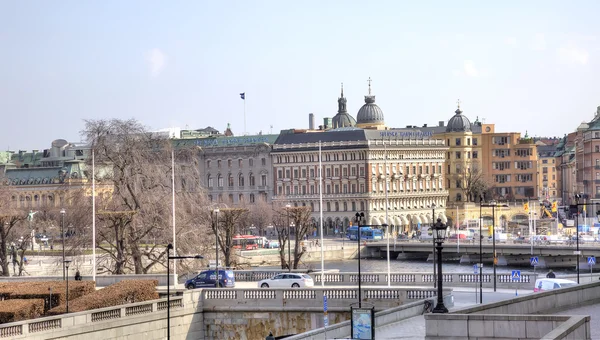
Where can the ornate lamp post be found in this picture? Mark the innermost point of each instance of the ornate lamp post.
(359, 218)
(169, 258)
(439, 234)
(433, 249)
(63, 212)
(216, 222)
(66, 264)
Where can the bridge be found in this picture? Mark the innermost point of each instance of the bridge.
(554, 256)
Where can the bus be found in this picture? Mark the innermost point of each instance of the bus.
(249, 242)
(366, 233)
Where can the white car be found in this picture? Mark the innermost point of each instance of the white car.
(293, 280)
(549, 284)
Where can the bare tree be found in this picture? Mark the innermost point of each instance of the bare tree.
(10, 219)
(299, 217)
(260, 215)
(229, 221)
(138, 166)
(472, 182)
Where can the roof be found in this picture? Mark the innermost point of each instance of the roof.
(370, 113)
(458, 123)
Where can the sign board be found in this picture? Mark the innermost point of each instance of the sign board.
(325, 303)
(363, 323)
(570, 223)
(534, 260)
(475, 269)
(591, 260)
(516, 275)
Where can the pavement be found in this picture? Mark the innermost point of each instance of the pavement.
(591, 310)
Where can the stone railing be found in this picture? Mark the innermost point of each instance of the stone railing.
(311, 299)
(503, 326)
(30, 329)
(527, 281)
(472, 322)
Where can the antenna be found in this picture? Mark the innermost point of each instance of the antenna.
(271, 130)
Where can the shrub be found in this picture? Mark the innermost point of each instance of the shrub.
(120, 293)
(20, 309)
(41, 290)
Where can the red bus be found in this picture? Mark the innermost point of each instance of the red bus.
(248, 242)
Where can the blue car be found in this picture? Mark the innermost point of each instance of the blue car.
(208, 279)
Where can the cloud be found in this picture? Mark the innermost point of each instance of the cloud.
(510, 41)
(157, 61)
(539, 42)
(470, 69)
(573, 55)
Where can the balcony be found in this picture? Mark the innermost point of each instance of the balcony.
(597, 181)
(597, 167)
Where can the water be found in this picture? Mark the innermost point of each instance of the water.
(380, 265)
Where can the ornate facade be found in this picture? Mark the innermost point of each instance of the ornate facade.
(358, 168)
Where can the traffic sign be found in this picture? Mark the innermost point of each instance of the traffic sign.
(325, 303)
(516, 275)
(591, 260)
(475, 269)
(534, 260)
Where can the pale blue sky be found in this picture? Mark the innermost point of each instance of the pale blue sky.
(523, 65)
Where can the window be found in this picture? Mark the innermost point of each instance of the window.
(295, 173)
(251, 198)
(345, 172)
(208, 163)
(328, 172)
(545, 161)
(220, 181)
(475, 154)
(303, 173)
(337, 206)
(241, 180)
(336, 172)
(279, 191)
(312, 173)
(474, 141)
(468, 141)
(500, 140)
(251, 162)
(457, 154)
(219, 164)
(251, 180)
(240, 163)
(353, 171)
(230, 198)
(209, 179)
(263, 180)
(241, 198)
(279, 174)
(457, 141)
(328, 206)
(353, 206)
(345, 206)
(362, 171)
(230, 180)
(263, 161)
(229, 162)
(597, 148)
(287, 173)
(312, 189)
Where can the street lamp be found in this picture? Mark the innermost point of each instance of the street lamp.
(62, 231)
(433, 249)
(480, 264)
(439, 234)
(493, 205)
(574, 209)
(287, 209)
(359, 218)
(216, 222)
(66, 264)
(169, 258)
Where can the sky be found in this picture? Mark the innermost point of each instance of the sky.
(526, 66)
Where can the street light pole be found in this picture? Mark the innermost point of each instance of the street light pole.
(494, 240)
(62, 231)
(433, 239)
(169, 258)
(66, 264)
(439, 234)
(216, 221)
(359, 217)
(480, 251)
(287, 209)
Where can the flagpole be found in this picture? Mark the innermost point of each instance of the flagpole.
(457, 232)
(387, 202)
(173, 210)
(321, 217)
(245, 132)
(93, 215)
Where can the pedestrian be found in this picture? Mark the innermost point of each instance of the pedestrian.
(78, 276)
(550, 275)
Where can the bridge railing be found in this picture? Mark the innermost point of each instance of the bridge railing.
(311, 299)
(503, 280)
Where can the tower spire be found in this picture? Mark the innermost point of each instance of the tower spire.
(458, 103)
(369, 81)
(342, 90)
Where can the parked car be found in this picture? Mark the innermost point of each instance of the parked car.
(521, 239)
(271, 244)
(457, 236)
(208, 279)
(294, 280)
(549, 284)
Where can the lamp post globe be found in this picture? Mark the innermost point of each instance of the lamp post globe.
(439, 235)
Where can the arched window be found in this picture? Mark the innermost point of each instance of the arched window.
(251, 198)
(328, 206)
(241, 180)
(230, 180)
(209, 181)
(220, 181)
(337, 206)
(251, 179)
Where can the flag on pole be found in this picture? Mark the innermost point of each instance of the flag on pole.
(526, 207)
(554, 206)
(243, 95)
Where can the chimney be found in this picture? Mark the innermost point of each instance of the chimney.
(424, 125)
(311, 121)
(441, 123)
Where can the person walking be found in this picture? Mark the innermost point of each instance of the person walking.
(550, 275)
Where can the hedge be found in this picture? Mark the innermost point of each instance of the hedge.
(20, 309)
(120, 293)
(40, 290)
